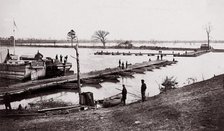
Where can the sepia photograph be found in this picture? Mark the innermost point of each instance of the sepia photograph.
(111, 65)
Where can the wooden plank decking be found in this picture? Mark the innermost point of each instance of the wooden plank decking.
(186, 54)
(192, 53)
(40, 84)
(132, 53)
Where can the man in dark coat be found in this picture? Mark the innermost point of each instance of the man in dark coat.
(38, 56)
(61, 58)
(119, 63)
(143, 88)
(7, 100)
(124, 95)
(66, 58)
(122, 65)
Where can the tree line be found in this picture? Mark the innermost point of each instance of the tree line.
(101, 36)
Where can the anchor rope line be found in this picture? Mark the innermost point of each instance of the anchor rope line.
(129, 93)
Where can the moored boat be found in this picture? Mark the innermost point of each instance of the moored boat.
(14, 68)
(126, 74)
(111, 101)
(31, 67)
(140, 71)
(150, 68)
(91, 81)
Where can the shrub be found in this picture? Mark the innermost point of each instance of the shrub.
(168, 84)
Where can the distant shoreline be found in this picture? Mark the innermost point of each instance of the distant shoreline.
(108, 47)
(143, 47)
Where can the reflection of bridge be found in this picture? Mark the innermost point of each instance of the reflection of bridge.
(23, 88)
(186, 54)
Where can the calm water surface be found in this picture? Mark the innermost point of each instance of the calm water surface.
(198, 68)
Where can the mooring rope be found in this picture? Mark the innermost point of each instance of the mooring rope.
(129, 93)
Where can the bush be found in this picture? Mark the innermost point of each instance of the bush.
(168, 84)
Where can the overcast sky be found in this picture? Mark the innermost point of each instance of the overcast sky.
(124, 19)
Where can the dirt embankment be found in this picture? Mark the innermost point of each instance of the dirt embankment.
(199, 106)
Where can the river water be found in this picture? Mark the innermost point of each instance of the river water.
(187, 68)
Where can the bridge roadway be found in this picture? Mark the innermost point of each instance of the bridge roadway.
(185, 54)
(44, 83)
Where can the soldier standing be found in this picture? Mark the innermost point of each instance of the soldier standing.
(122, 66)
(119, 63)
(124, 94)
(143, 88)
(7, 100)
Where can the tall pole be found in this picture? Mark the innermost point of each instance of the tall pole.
(78, 69)
(208, 31)
(208, 40)
(14, 39)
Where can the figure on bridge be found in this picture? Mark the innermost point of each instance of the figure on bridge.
(119, 63)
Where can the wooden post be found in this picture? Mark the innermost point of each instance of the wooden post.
(208, 31)
(208, 40)
(14, 41)
(78, 69)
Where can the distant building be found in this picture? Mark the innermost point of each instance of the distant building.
(125, 44)
(205, 47)
(7, 41)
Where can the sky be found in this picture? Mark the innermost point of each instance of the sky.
(124, 19)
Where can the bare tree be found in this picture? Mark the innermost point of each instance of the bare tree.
(208, 31)
(101, 35)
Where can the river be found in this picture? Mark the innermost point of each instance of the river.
(187, 68)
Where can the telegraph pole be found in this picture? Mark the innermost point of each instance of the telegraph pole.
(78, 68)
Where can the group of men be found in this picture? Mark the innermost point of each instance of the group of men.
(122, 64)
(124, 92)
(61, 57)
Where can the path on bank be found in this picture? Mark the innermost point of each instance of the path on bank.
(198, 106)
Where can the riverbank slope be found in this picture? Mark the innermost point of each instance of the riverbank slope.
(198, 106)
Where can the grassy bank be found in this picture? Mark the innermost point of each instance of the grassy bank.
(194, 107)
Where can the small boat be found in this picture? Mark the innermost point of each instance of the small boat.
(57, 68)
(69, 85)
(174, 62)
(126, 74)
(111, 80)
(110, 77)
(116, 53)
(150, 68)
(106, 53)
(98, 85)
(156, 66)
(126, 53)
(140, 71)
(91, 81)
(111, 101)
(138, 54)
(97, 53)
(169, 63)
